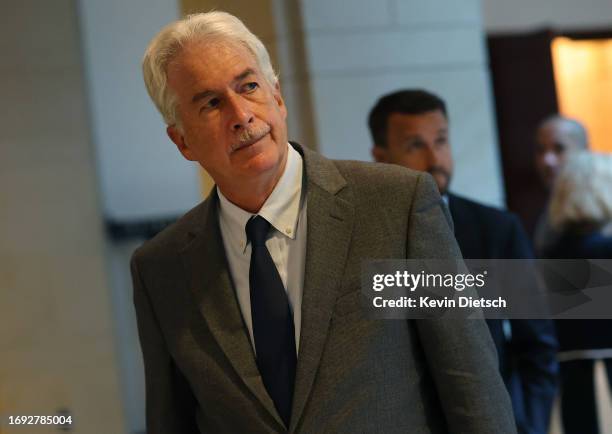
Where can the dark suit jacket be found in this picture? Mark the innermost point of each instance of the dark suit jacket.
(582, 334)
(528, 360)
(354, 374)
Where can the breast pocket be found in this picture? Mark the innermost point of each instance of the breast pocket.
(348, 304)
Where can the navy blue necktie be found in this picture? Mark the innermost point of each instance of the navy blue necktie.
(272, 321)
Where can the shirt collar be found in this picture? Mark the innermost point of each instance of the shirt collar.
(281, 209)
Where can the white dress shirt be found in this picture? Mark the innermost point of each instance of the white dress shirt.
(285, 210)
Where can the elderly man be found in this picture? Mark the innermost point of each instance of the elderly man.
(249, 308)
(410, 127)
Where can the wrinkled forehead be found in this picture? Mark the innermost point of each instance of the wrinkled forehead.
(209, 66)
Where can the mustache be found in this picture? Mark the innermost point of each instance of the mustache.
(248, 136)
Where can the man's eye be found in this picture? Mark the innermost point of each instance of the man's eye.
(212, 103)
(410, 146)
(441, 141)
(250, 87)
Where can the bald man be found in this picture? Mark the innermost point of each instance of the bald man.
(556, 137)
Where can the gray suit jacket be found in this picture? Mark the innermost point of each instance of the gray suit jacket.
(354, 375)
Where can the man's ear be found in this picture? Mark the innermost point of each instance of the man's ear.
(380, 154)
(179, 140)
(278, 97)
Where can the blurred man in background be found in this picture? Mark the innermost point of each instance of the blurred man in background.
(410, 128)
(556, 138)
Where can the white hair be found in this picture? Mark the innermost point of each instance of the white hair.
(167, 44)
(582, 192)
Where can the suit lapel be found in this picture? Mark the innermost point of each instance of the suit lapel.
(205, 261)
(329, 229)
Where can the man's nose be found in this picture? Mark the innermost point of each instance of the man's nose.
(432, 156)
(240, 112)
(551, 159)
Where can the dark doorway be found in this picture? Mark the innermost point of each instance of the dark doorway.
(524, 88)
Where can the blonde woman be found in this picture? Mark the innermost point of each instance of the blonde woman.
(581, 211)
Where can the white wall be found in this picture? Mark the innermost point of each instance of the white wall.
(356, 54)
(514, 15)
(142, 175)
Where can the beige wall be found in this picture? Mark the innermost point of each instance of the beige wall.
(521, 15)
(56, 329)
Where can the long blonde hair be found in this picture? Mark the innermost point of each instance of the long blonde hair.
(582, 193)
